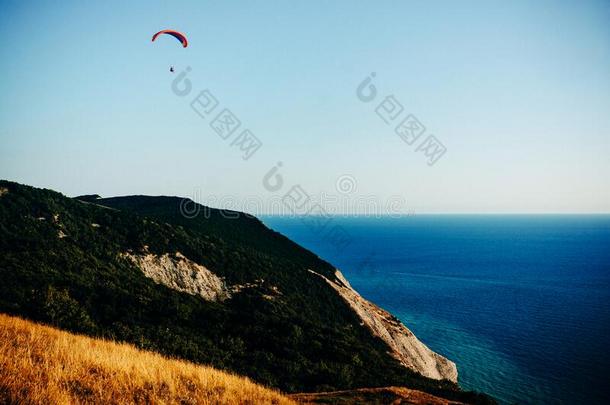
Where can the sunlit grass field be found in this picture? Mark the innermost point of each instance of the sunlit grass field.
(42, 365)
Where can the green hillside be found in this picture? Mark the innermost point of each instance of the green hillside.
(61, 263)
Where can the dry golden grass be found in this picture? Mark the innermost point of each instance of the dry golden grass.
(43, 365)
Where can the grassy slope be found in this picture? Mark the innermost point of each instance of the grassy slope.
(39, 364)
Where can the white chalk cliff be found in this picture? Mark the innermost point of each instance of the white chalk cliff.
(179, 273)
(402, 343)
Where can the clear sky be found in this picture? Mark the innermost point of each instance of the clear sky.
(518, 93)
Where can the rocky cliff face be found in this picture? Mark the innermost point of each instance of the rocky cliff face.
(181, 274)
(402, 343)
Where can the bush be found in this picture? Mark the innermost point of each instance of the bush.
(62, 310)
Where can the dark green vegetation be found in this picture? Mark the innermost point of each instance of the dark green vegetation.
(307, 339)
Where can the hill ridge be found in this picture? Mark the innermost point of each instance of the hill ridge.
(305, 339)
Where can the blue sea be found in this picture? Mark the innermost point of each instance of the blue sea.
(520, 302)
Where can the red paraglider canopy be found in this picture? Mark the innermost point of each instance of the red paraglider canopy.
(180, 37)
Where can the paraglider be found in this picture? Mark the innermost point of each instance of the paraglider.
(179, 36)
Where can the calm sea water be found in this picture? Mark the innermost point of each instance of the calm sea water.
(520, 302)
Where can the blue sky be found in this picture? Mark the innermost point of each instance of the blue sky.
(517, 92)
